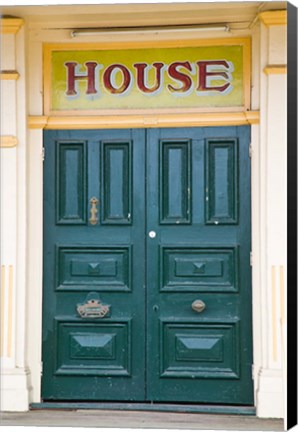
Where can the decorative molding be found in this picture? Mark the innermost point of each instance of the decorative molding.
(8, 141)
(252, 117)
(37, 122)
(10, 25)
(270, 18)
(9, 75)
(275, 69)
(150, 120)
(139, 44)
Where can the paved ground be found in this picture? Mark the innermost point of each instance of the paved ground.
(139, 419)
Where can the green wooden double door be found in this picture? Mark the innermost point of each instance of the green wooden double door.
(147, 279)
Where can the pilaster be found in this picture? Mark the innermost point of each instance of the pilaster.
(270, 371)
(14, 374)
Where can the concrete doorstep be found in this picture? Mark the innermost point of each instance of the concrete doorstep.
(139, 419)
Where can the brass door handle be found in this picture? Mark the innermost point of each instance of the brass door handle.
(93, 211)
(198, 306)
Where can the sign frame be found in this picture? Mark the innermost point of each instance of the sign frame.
(48, 48)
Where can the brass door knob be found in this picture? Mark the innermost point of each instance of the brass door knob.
(198, 306)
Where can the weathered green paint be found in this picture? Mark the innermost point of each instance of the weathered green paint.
(192, 188)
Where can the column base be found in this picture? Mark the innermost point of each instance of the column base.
(270, 395)
(14, 389)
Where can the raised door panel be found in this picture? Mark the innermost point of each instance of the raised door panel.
(98, 269)
(200, 350)
(93, 349)
(196, 269)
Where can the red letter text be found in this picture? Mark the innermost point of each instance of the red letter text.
(140, 67)
(203, 74)
(71, 77)
(179, 76)
(107, 79)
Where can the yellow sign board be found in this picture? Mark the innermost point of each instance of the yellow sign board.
(88, 78)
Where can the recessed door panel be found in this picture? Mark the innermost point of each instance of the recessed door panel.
(71, 182)
(222, 181)
(116, 169)
(175, 182)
